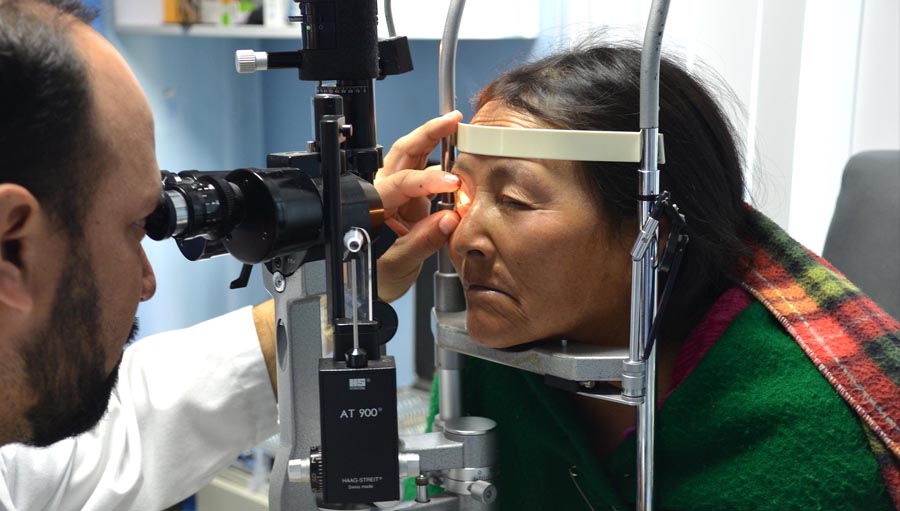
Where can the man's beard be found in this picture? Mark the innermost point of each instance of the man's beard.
(66, 362)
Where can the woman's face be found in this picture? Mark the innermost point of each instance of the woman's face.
(536, 258)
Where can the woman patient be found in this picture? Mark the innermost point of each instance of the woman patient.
(778, 377)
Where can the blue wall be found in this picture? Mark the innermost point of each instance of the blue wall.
(208, 117)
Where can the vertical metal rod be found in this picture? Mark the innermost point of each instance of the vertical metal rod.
(644, 276)
(354, 294)
(450, 384)
(329, 133)
(646, 412)
(448, 292)
(447, 57)
(447, 103)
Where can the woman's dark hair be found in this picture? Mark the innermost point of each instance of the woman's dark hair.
(597, 87)
(47, 142)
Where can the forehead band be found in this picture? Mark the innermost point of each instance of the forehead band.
(549, 144)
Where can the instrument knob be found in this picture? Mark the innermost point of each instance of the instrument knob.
(249, 61)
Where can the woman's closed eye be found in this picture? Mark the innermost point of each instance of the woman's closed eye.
(513, 203)
(521, 198)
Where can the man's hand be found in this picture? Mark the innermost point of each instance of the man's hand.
(405, 190)
(264, 321)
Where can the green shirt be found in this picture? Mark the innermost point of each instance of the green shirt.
(754, 426)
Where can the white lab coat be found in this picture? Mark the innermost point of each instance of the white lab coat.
(186, 404)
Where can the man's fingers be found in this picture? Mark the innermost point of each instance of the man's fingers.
(399, 228)
(425, 238)
(396, 189)
(401, 186)
(400, 265)
(412, 150)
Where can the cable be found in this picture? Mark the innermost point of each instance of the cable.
(667, 292)
(670, 262)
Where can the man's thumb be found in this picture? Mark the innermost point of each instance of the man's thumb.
(427, 236)
(400, 265)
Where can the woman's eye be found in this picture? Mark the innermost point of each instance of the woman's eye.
(463, 202)
(509, 202)
(462, 198)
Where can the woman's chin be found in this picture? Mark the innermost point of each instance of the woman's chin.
(492, 334)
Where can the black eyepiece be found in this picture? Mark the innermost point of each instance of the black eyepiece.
(194, 204)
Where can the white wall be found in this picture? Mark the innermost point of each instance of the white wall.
(850, 102)
(876, 121)
(824, 120)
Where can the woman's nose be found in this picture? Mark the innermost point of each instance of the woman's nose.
(472, 236)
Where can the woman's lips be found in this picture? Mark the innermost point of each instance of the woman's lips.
(484, 290)
(481, 289)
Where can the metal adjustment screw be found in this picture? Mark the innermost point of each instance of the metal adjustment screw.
(249, 61)
(422, 489)
(483, 492)
(632, 379)
(298, 470)
(278, 281)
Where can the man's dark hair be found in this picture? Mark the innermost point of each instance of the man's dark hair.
(597, 87)
(47, 137)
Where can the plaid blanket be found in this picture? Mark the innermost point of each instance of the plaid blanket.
(853, 343)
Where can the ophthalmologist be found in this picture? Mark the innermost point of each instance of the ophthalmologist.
(84, 425)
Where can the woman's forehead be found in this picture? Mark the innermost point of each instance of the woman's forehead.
(498, 113)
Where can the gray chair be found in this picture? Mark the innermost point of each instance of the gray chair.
(864, 237)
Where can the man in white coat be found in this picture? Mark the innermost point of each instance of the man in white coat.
(84, 424)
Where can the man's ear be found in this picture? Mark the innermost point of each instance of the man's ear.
(20, 215)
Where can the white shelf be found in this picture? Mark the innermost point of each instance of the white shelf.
(416, 19)
(243, 32)
(260, 32)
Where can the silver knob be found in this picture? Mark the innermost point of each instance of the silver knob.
(483, 492)
(298, 470)
(249, 61)
(307, 470)
(354, 241)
